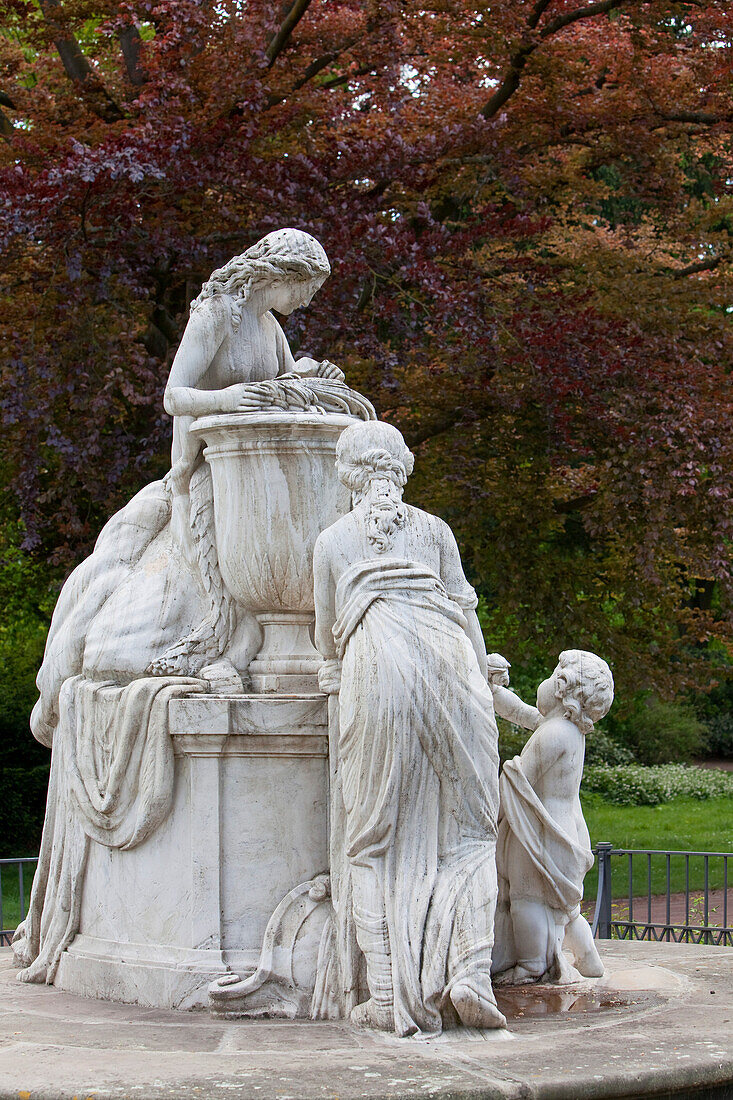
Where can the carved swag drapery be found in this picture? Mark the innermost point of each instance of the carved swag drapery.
(414, 800)
(111, 782)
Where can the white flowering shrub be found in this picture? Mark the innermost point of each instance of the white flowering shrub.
(636, 785)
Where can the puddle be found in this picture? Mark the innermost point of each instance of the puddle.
(531, 1001)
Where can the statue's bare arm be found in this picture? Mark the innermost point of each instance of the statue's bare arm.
(206, 330)
(454, 579)
(509, 706)
(325, 600)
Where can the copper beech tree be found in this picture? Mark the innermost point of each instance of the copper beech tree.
(528, 208)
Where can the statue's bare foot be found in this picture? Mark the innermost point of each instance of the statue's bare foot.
(223, 677)
(370, 1014)
(473, 1009)
(522, 976)
(590, 965)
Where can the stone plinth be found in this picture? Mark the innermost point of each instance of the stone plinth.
(248, 823)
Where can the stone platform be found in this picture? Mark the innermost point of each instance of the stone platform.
(660, 1024)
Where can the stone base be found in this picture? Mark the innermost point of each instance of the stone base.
(159, 922)
(141, 974)
(658, 1024)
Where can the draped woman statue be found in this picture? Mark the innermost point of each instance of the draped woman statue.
(150, 598)
(143, 618)
(415, 765)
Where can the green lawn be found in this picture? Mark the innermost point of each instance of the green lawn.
(682, 825)
(10, 905)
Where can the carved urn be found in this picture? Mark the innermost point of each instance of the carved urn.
(275, 490)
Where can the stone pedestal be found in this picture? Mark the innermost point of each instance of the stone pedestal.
(248, 823)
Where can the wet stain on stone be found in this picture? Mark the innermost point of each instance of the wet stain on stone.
(517, 1002)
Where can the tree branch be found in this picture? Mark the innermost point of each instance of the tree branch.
(537, 12)
(281, 37)
(323, 62)
(439, 426)
(577, 504)
(77, 68)
(519, 59)
(6, 127)
(131, 44)
(694, 269)
(705, 118)
(318, 65)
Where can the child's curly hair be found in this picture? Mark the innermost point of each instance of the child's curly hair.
(585, 687)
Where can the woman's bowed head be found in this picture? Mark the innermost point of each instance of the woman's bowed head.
(579, 690)
(289, 264)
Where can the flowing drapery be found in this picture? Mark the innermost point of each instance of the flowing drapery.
(416, 795)
(111, 781)
(559, 863)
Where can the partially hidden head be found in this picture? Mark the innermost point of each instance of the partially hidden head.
(374, 462)
(584, 686)
(287, 255)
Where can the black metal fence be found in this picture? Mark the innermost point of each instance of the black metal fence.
(684, 915)
(622, 912)
(15, 903)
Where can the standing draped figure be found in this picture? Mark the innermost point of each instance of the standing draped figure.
(414, 758)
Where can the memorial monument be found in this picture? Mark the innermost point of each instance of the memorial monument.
(275, 783)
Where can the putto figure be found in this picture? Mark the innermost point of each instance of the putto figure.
(415, 765)
(543, 852)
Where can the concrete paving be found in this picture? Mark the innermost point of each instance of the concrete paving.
(660, 1023)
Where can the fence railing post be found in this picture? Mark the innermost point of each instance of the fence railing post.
(603, 915)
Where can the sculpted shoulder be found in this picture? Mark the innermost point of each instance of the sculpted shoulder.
(437, 527)
(556, 736)
(336, 534)
(214, 313)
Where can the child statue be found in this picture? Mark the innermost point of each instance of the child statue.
(543, 850)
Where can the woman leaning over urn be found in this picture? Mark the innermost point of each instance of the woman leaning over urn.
(233, 340)
(150, 598)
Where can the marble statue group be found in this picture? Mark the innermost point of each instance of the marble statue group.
(275, 785)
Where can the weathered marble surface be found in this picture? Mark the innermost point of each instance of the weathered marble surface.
(163, 607)
(274, 492)
(414, 765)
(159, 922)
(329, 852)
(544, 851)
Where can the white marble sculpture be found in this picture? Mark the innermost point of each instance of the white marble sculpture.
(407, 932)
(171, 604)
(414, 804)
(543, 851)
(282, 828)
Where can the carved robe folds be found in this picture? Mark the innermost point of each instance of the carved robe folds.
(416, 801)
